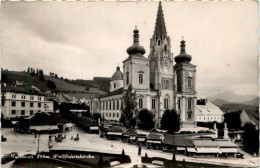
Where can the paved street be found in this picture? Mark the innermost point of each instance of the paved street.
(24, 144)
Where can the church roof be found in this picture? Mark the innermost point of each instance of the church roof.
(118, 75)
(160, 28)
(116, 92)
(208, 109)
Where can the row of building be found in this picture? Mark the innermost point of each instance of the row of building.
(207, 143)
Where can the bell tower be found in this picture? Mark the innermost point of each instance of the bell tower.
(161, 66)
(185, 91)
(136, 66)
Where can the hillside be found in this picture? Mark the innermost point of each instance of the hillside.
(231, 97)
(238, 107)
(254, 102)
(219, 102)
(23, 76)
(62, 86)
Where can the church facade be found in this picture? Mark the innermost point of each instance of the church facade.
(160, 80)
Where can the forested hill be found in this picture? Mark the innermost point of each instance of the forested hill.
(98, 85)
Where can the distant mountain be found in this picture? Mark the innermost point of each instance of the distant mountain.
(219, 102)
(238, 107)
(231, 97)
(254, 102)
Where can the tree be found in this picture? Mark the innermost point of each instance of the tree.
(4, 78)
(51, 84)
(96, 116)
(56, 76)
(251, 138)
(145, 120)
(37, 73)
(233, 120)
(41, 77)
(32, 72)
(129, 106)
(170, 121)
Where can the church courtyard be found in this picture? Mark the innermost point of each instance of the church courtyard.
(28, 144)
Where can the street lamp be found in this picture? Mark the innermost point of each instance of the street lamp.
(38, 147)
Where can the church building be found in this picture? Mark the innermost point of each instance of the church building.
(158, 82)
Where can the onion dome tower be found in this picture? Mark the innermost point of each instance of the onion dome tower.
(182, 57)
(185, 92)
(136, 48)
(116, 81)
(136, 66)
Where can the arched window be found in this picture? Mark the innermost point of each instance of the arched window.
(167, 84)
(117, 105)
(159, 42)
(140, 103)
(166, 102)
(189, 104)
(127, 78)
(189, 82)
(114, 105)
(179, 104)
(114, 85)
(165, 47)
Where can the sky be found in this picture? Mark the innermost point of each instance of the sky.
(80, 40)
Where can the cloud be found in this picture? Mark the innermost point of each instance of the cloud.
(87, 39)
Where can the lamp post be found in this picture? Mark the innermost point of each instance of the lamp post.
(38, 147)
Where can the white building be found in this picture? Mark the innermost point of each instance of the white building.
(159, 84)
(208, 112)
(160, 81)
(248, 116)
(21, 102)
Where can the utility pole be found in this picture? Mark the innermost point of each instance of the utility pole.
(38, 151)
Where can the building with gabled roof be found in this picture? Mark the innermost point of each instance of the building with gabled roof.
(248, 116)
(208, 112)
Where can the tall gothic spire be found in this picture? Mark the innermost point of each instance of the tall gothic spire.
(160, 28)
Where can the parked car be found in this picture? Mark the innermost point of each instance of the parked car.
(3, 139)
(9, 157)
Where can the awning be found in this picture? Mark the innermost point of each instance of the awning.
(141, 139)
(114, 133)
(93, 127)
(44, 127)
(191, 150)
(155, 142)
(228, 150)
(67, 125)
(132, 137)
(14, 122)
(208, 150)
(180, 148)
